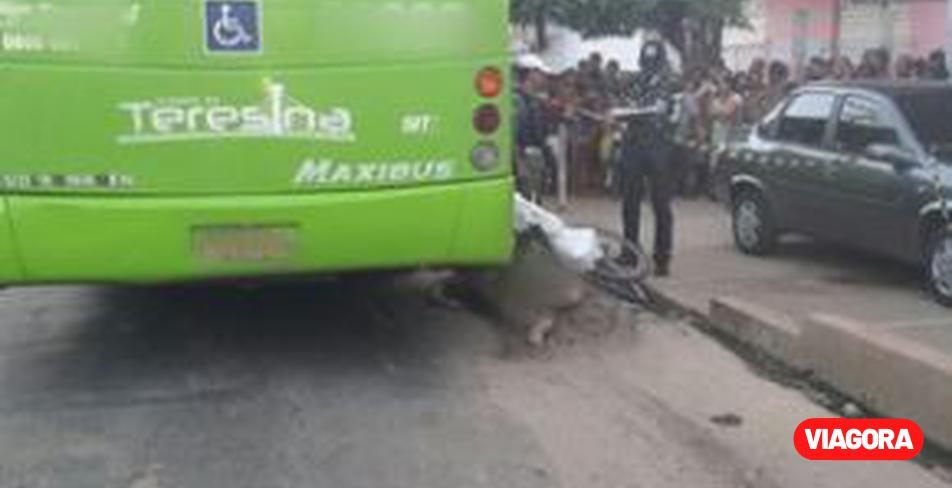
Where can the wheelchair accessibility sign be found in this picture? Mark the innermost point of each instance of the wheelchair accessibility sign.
(232, 26)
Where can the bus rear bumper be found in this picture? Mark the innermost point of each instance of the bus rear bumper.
(109, 239)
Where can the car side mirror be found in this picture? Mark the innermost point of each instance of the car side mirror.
(901, 159)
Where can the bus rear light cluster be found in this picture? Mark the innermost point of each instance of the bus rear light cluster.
(486, 119)
(485, 156)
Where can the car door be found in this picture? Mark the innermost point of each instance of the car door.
(872, 191)
(804, 164)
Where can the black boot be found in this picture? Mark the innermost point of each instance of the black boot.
(662, 267)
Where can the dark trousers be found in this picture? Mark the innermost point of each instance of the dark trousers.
(649, 169)
(693, 177)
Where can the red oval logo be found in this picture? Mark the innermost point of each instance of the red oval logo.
(858, 440)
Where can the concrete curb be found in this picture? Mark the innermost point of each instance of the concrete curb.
(773, 333)
(671, 301)
(887, 373)
(752, 325)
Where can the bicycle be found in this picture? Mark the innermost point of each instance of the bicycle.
(603, 258)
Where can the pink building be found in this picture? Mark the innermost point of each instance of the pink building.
(794, 30)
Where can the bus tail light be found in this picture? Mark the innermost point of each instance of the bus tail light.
(489, 82)
(485, 156)
(487, 119)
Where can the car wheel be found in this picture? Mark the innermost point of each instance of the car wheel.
(939, 267)
(754, 227)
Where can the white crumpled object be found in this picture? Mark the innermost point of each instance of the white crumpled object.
(577, 248)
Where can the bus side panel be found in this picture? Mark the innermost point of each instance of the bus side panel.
(10, 269)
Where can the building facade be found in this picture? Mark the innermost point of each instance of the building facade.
(795, 30)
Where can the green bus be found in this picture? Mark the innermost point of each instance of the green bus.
(172, 140)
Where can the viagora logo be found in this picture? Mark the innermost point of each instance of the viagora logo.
(858, 439)
(278, 116)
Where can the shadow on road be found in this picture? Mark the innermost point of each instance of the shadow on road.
(848, 266)
(321, 384)
(120, 346)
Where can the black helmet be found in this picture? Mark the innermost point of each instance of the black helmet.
(654, 56)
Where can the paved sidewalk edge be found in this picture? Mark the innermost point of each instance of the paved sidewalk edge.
(670, 301)
(772, 333)
(751, 325)
(887, 373)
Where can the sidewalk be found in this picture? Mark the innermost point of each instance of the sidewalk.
(861, 323)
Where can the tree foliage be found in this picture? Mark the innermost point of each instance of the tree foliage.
(538, 13)
(693, 26)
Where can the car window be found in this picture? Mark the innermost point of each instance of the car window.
(928, 115)
(805, 118)
(864, 122)
(770, 123)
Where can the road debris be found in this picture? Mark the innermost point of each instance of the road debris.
(576, 248)
(728, 420)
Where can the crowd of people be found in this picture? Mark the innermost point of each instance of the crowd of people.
(566, 115)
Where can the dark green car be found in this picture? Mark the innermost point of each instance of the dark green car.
(864, 164)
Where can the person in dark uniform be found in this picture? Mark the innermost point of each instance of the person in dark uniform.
(530, 135)
(646, 164)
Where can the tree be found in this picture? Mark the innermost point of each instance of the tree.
(538, 13)
(693, 27)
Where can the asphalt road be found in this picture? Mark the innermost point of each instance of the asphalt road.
(341, 385)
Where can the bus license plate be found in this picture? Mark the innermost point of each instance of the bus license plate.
(236, 244)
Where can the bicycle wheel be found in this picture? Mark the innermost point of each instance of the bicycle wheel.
(624, 261)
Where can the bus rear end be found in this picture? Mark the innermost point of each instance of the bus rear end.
(190, 139)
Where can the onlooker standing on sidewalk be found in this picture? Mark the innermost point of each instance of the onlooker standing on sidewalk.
(595, 76)
(842, 68)
(905, 68)
(690, 135)
(756, 88)
(564, 100)
(530, 133)
(646, 161)
(875, 65)
(585, 135)
(937, 69)
(724, 111)
(778, 86)
(613, 83)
